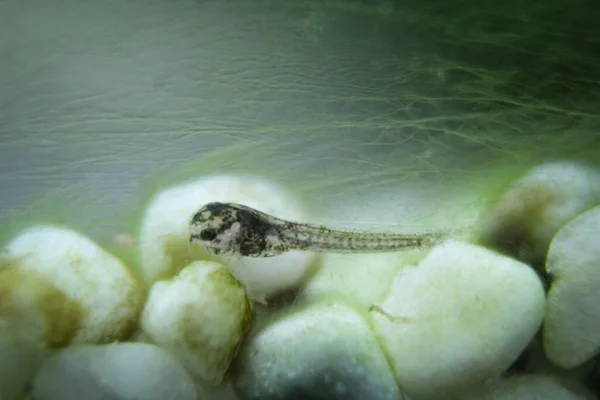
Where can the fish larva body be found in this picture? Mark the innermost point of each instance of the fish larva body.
(237, 230)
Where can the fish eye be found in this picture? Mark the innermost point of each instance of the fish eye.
(208, 234)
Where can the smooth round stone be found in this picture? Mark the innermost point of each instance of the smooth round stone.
(530, 212)
(200, 316)
(362, 279)
(64, 287)
(530, 387)
(165, 247)
(572, 325)
(325, 351)
(117, 372)
(470, 312)
(20, 360)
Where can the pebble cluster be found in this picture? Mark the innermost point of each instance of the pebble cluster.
(512, 312)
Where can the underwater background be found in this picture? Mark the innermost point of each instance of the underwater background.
(118, 119)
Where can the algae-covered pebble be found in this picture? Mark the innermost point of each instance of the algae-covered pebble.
(572, 325)
(201, 317)
(64, 288)
(523, 221)
(165, 247)
(325, 351)
(459, 318)
(32, 305)
(122, 371)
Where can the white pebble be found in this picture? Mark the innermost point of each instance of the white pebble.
(117, 372)
(471, 313)
(164, 240)
(362, 279)
(323, 351)
(527, 216)
(63, 286)
(201, 317)
(572, 325)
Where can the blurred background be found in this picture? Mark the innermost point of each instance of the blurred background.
(351, 104)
